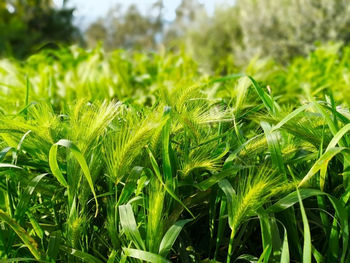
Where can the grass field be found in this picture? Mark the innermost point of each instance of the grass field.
(120, 157)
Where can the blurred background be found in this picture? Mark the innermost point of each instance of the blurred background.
(215, 33)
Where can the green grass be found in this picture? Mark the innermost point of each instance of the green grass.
(124, 157)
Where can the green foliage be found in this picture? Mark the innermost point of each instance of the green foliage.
(135, 157)
(212, 40)
(284, 29)
(324, 72)
(25, 26)
(278, 30)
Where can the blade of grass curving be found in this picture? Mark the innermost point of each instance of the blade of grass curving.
(171, 236)
(332, 124)
(338, 139)
(266, 99)
(81, 160)
(317, 255)
(54, 166)
(290, 116)
(338, 136)
(321, 162)
(18, 148)
(7, 165)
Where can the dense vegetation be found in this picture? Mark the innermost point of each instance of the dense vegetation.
(131, 157)
(27, 26)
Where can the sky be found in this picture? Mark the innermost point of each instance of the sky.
(88, 11)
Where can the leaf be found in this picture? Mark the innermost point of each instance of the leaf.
(250, 258)
(274, 146)
(54, 166)
(17, 260)
(24, 201)
(81, 160)
(291, 116)
(170, 192)
(167, 170)
(171, 236)
(128, 222)
(143, 255)
(266, 99)
(322, 162)
(80, 254)
(22, 234)
(339, 206)
(215, 178)
(292, 198)
(285, 248)
(112, 257)
(265, 254)
(338, 136)
(38, 230)
(307, 235)
(4, 152)
(7, 165)
(230, 193)
(266, 235)
(54, 245)
(221, 226)
(130, 185)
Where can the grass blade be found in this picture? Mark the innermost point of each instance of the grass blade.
(171, 236)
(81, 160)
(128, 222)
(30, 243)
(307, 235)
(145, 256)
(81, 255)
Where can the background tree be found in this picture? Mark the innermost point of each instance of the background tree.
(128, 29)
(212, 40)
(288, 28)
(187, 13)
(26, 25)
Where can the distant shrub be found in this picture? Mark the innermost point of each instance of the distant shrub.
(211, 40)
(286, 28)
